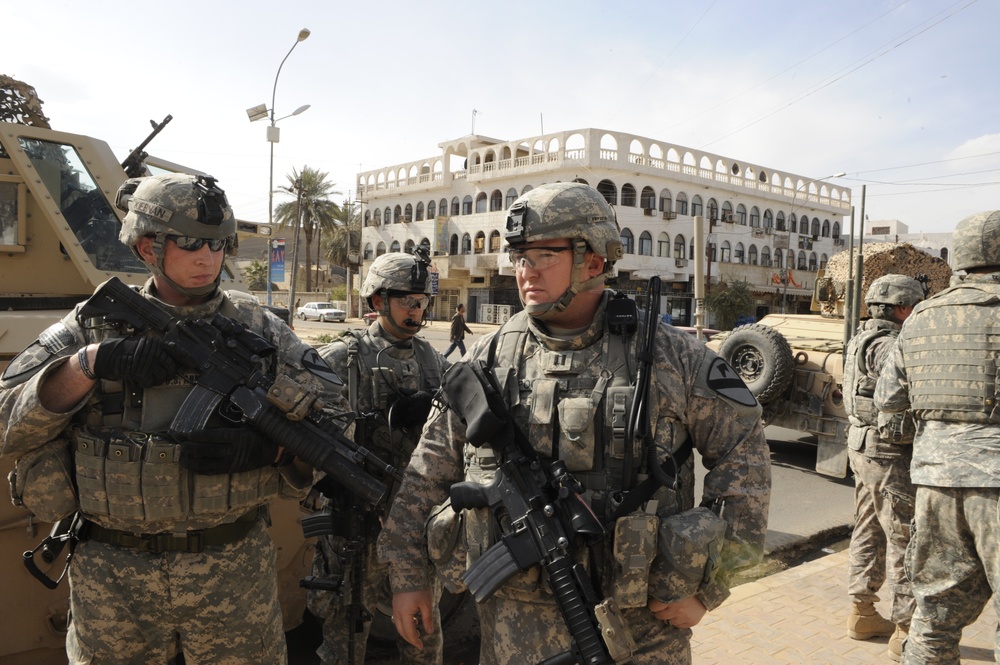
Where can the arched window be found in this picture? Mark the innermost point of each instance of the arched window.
(408, 247)
(679, 247)
(453, 245)
(713, 210)
(696, 205)
(836, 229)
(647, 200)
(496, 200)
(804, 225)
(645, 244)
(467, 204)
(420, 212)
(397, 215)
(494, 241)
(663, 246)
(368, 217)
(738, 254)
(682, 203)
(466, 244)
(803, 262)
(755, 217)
(608, 191)
(779, 261)
(387, 215)
(768, 220)
(812, 261)
(481, 202)
(511, 197)
(426, 245)
(628, 195)
(666, 201)
(408, 213)
(431, 210)
(826, 228)
(765, 256)
(368, 251)
(725, 252)
(394, 247)
(822, 261)
(780, 221)
(741, 215)
(480, 245)
(627, 240)
(815, 227)
(752, 255)
(378, 217)
(380, 249)
(443, 207)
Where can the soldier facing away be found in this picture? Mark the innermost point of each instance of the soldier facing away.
(879, 449)
(567, 374)
(391, 374)
(943, 368)
(174, 555)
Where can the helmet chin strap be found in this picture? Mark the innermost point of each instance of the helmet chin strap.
(394, 328)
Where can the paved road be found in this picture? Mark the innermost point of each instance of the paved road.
(808, 510)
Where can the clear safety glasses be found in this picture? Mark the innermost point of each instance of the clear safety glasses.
(537, 258)
(413, 302)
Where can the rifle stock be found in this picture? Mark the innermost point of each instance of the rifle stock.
(225, 356)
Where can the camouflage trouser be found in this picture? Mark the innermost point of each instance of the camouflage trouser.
(516, 631)
(219, 606)
(954, 567)
(329, 607)
(883, 501)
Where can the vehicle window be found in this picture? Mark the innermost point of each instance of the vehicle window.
(84, 207)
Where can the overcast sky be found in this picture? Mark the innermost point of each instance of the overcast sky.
(902, 95)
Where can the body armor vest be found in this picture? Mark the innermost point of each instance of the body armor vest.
(378, 375)
(573, 403)
(859, 387)
(950, 353)
(128, 470)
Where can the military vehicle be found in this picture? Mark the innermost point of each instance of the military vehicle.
(794, 363)
(58, 242)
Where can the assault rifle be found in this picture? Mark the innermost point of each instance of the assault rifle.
(225, 355)
(133, 163)
(345, 518)
(546, 513)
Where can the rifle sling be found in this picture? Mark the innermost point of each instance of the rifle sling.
(644, 491)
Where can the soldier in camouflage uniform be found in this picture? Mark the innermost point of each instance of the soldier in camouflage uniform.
(391, 374)
(670, 559)
(943, 368)
(174, 554)
(879, 449)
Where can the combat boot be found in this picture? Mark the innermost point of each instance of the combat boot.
(865, 623)
(896, 642)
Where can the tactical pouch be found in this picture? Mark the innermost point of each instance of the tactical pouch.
(634, 550)
(42, 482)
(690, 544)
(445, 546)
(383, 380)
(576, 433)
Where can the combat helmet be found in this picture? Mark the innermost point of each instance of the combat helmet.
(397, 273)
(175, 204)
(566, 210)
(895, 290)
(976, 241)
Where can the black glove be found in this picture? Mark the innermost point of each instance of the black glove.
(410, 411)
(145, 360)
(226, 450)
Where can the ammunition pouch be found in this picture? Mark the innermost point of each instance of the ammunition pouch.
(42, 482)
(690, 544)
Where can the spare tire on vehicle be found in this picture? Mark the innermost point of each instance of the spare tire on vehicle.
(763, 359)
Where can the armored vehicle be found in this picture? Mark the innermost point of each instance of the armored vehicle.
(794, 363)
(58, 242)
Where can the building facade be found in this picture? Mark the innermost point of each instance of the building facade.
(769, 228)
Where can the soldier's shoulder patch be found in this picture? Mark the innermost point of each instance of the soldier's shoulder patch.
(50, 344)
(314, 364)
(724, 380)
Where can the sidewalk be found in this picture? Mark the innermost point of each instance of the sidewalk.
(799, 616)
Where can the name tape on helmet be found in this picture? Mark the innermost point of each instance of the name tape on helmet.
(151, 209)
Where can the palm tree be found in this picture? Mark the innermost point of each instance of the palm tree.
(312, 202)
(343, 235)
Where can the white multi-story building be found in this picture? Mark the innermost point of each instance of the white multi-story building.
(767, 227)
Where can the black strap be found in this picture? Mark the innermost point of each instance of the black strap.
(645, 490)
(157, 543)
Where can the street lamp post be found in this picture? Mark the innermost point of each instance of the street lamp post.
(274, 136)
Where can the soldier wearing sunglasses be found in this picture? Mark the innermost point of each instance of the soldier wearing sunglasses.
(391, 374)
(174, 555)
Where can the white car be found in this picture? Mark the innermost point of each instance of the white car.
(321, 311)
